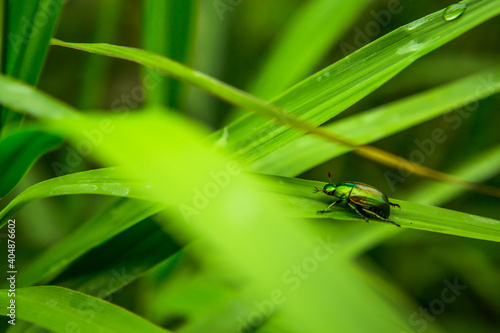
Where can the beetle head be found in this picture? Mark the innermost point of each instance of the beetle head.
(329, 189)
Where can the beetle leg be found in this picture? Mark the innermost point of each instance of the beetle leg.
(329, 206)
(355, 208)
(394, 205)
(379, 217)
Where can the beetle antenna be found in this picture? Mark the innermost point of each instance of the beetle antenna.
(316, 190)
(330, 176)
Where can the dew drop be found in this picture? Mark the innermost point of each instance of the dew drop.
(454, 11)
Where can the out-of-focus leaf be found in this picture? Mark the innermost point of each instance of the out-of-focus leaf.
(110, 181)
(59, 310)
(106, 29)
(18, 152)
(478, 169)
(236, 219)
(120, 261)
(168, 28)
(116, 218)
(22, 97)
(26, 41)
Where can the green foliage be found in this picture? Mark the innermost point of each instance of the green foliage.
(72, 310)
(18, 152)
(26, 39)
(184, 228)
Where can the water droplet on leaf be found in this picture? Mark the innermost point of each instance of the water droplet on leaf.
(454, 11)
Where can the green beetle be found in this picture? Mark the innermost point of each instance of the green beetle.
(364, 199)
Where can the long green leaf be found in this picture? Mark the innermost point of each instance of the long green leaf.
(120, 261)
(332, 90)
(29, 27)
(59, 309)
(108, 181)
(297, 196)
(155, 38)
(306, 152)
(22, 97)
(168, 28)
(18, 152)
(477, 168)
(106, 29)
(116, 218)
(315, 27)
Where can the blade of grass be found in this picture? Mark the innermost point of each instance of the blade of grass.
(168, 28)
(58, 309)
(120, 261)
(312, 30)
(477, 168)
(109, 14)
(306, 152)
(18, 152)
(109, 181)
(297, 196)
(116, 218)
(2, 36)
(211, 37)
(27, 42)
(154, 37)
(25, 98)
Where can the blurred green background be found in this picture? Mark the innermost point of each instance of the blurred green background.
(232, 46)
